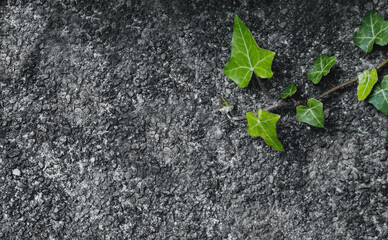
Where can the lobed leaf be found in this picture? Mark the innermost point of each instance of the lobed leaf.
(379, 96)
(289, 91)
(264, 125)
(366, 81)
(321, 68)
(313, 114)
(373, 30)
(247, 57)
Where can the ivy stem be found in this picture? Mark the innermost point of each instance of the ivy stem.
(336, 88)
(382, 64)
(279, 104)
(283, 105)
(265, 90)
(348, 82)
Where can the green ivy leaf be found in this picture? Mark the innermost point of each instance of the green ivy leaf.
(373, 29)
(289, 91)
(379, 96)
(247, 57)
(313, 114)
(264, 125)
(321, 68)
(366, 81)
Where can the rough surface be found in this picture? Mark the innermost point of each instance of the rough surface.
(109, 126)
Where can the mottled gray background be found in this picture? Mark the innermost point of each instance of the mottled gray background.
(109, 126)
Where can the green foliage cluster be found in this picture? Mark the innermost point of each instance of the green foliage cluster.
(247, 58)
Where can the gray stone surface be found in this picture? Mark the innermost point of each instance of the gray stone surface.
(109, 112)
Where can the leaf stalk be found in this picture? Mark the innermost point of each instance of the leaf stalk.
(265, 90)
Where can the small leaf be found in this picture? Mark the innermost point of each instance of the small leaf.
(321, 68)
(313, 114)
(264, 125)
(366, 81)
(386, 137)
(247, 57)
(373, 29)
(379, 96)
(226, 107)
(224, 102)
(289, 91)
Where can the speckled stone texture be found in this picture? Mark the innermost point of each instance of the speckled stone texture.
(109, 126)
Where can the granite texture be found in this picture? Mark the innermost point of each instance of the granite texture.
(109, 126)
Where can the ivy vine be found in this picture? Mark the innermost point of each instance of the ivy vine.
(248, 59)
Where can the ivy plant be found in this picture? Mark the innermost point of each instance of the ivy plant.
(366, 81)
(379, 96)
(248, 59)
(373, 30)
(321, 68)
(313, 114)
(264, 125)
(289, 91)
